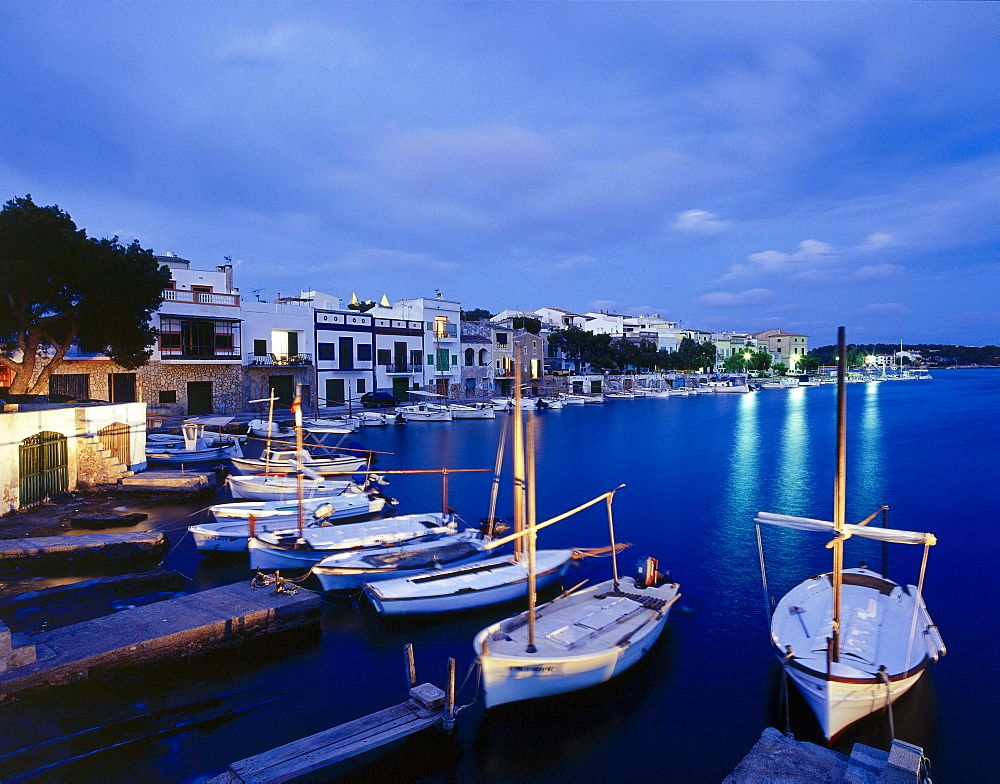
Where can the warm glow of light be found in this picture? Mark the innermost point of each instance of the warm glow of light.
(870, 359)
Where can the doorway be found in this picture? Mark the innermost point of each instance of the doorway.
(334, 392)
(284, 389)
(122, 387)
(199, 397)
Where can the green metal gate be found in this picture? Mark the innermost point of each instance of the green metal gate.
(43, 467)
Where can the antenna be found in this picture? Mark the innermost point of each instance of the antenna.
(256, 293)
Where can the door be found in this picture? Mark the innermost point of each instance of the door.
(399, 357)
(117, 438)
(199, 395)
(284, 389)
(293, 344)
(335, 392)
(401, 388)
(43, 467)
(346, 353)
(122, 387)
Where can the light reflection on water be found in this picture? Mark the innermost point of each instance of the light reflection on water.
(793, 474)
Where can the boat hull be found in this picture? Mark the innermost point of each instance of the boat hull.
(510, 675)
(447, 594)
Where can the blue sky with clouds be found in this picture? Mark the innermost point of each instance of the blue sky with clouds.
(730, 165)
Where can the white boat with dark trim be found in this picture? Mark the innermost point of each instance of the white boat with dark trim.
(575, 641)
(192, 446)
(350, 570)
(259, 487)
(343, 506)
(491, 581)
(852, 640)
(422, 412)
(471, 411)
(294, 548)
(288, 462)
(261, 428)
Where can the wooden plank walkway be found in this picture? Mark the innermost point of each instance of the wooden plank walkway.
(336, 744)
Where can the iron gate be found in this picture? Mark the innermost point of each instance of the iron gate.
(43, 467)
(117, 438)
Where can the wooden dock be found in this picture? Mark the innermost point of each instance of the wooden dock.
(427, 707)
(338, 743)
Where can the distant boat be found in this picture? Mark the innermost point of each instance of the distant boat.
(264, 429)
(193, 446)
(422, 412)
(345, 505)
(852, 640)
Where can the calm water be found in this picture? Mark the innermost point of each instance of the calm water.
(696, 470)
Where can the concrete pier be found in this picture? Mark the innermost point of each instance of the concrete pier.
(69, 553)
(172, 482)
(776, 758)
(183, 627)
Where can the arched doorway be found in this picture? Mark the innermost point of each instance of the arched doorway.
(43, 467)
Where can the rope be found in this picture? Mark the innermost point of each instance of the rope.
(882, 676)
(282, 585)
(763, 576)
(785, 697)
(916, 606)
(170, 552)
(185, 517)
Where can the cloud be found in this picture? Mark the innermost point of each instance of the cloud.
(700, 222)
(725, 299)
(368, 260)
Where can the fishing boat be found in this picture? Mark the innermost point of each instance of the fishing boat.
(350, 570)
(852, 640)
(334, 425)
(290, 461)
(303, 547)
(471, 411)
(422, 412)
(344, 506)
(193, 446)
(491, 581)
(264, 429)
(259, 487)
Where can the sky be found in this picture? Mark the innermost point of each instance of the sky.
(729, 165)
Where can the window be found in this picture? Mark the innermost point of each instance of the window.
(325, 351)
(415, 357)
(260, 348)
(430, 359)
(484, 357)
(454, 360)
(501, 338)
(364, 352)
(383, 357)
(75, 386)
(168, 396)
(361, 385)
(470, 357)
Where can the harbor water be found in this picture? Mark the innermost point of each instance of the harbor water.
(696, 470)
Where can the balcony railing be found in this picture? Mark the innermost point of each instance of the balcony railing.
(285, 360)
(403, 367)
(446, 331)
(201, 297)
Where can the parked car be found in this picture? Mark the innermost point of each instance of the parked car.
(379, 400)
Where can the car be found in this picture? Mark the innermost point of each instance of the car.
(378, 400)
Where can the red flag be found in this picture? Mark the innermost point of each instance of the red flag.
(297, 410)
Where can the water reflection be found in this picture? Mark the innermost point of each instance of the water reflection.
(869, 480)
(792, 477)
(744, 461)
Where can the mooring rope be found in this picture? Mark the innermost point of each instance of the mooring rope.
(763, 576)
(884, 677)
(785, 696)
(918, 600)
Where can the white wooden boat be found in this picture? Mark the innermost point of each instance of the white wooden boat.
(193, 446)
(230, 535)
(422, 412)
(262, 428)
(257, 487)
(351, 569)
(343, 506)
(334, 425)
(619, 396)
(288, 461)
(579, 640)
(292, 548)
(477, 411)
(491, 581)
(853, 641)
(572, 400)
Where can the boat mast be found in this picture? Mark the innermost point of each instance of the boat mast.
(519, 489)
(297, 410)
(267, 444)
(839, 492)
(498, 467)
(532, 538)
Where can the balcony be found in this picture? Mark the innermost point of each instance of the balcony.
(446, 331)
(279, 360)
(397, 368)
(201, 298)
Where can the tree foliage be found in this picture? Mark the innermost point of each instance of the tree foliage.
(601, 352)
(476, 314)
(61, 287)
(528, 324)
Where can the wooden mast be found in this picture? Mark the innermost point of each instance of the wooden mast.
(839, 491)
(519, 489)
(297, 410)
(532, 537)
(270, 419)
